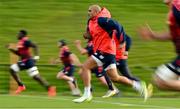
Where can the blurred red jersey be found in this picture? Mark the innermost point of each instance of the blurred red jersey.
(64, 55)
(23, 50)
(174, 25)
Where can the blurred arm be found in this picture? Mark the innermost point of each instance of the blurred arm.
(11, 49)
(80, 48)
(147, 33)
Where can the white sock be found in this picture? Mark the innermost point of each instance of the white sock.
(137, 86)
(71, 79)
(87, 91)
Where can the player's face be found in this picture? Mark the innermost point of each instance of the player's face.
(91, 12)
(59, 44)
(20, 35)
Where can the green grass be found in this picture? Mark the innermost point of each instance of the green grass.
(65, 102)
(47, 21)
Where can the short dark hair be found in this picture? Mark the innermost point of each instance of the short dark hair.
(63, 42)
(24, 32)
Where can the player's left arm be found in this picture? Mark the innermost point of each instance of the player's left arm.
(29, 43)
(128, 42)
(109, 25)
(80, 48)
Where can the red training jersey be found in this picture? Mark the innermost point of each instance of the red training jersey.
(64, 55)
(100, 38)
(23, 50)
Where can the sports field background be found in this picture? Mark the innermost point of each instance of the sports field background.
(47, 21)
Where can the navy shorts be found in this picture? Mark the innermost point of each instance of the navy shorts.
(29, 63)
(99, 72)
(175, 65)
(121, 63)
(69, 70)
(106, 60)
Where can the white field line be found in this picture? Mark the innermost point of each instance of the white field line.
(94, 101)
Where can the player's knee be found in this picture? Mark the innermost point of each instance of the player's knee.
(161, 84)
(59, 76)
(33, 71)
(114, 79)
(36, 77)
(85, 68)
(14, 68)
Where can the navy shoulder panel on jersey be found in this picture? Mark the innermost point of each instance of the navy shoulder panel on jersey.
(176, 13)
(27, 43)
(109, 25)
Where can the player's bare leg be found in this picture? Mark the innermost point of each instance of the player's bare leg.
(71, 82)
(21, 86)
(16, 77)
(168, 85)
(86, 77)
(61, 75)
(43, 82)
(102, 80)
(138, 86)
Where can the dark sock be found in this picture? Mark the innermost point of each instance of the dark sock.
(109, 82)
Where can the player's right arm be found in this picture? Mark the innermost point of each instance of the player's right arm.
(12, 50)
(147, 33)
(80, 48)
(55, 60)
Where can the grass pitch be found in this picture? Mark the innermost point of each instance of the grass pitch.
(65, 102)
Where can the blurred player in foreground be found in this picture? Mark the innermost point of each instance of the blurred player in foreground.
(167, 76)
(27, 62)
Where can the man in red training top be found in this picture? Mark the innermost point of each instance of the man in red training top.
(101, 28)
(27, 62)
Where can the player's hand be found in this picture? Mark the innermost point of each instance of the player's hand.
(36, 58)
(121, 45)
(126, 53)
(52, 61)
(87, 35)
(145, 32)
(77, 42)
(8, 46)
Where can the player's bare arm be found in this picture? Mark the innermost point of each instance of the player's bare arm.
(11, 49)
(147, 33)
(80, 48)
